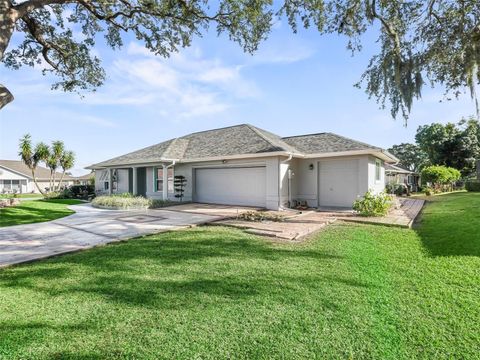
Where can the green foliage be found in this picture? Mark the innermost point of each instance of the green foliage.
(434, 42)
(453, 145)
(373, 204)
(121, 201)
(440, 175)
(35, 211)
(157, 203)
(472, 186)
(258, 216)
(411, 156)
(84, 192)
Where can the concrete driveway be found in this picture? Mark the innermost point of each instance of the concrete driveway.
(90, 227)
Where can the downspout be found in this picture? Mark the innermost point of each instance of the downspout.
(165, 177)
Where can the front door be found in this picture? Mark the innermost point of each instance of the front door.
(142, 181)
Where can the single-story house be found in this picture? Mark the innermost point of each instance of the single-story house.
(84, 179)
(16, 177)
(245, 165)
(396, 174)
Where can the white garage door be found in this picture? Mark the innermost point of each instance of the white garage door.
(231, 186)
(338, 182)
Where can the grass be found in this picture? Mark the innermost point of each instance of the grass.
(35, 211)
(352, 291)
(21, 196)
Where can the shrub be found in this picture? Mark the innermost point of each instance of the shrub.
(472, 185)
(428, 190)
(260, 216)
(440, 177)
(121, 201)
(373, 204)
(54, 195)
(85, 192)
(155, 204)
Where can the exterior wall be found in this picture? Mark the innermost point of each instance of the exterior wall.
(25, 184)
(376, 185)
(100, 177)
(305, 180)
(188, 170)
(122, 181)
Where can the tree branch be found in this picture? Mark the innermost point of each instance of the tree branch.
(5, 96)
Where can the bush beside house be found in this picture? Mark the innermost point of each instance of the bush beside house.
(373, 204)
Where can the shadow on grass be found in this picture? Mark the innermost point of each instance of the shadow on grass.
(169, 270)
(449, 225)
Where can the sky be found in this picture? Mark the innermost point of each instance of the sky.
(294, 84)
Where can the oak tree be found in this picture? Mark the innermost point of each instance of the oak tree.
(422, 42)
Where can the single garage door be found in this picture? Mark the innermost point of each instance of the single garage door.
(231, 186)
(338, 182)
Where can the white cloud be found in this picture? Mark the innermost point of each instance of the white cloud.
(187, 84)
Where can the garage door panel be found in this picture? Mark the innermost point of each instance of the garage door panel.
(231, 186)
(338, 182)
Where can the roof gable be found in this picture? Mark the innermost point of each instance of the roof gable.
(326, 143)
(41, 173)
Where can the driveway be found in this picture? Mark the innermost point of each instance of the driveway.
(90, 227)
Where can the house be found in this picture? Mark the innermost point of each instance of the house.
(395, 174)
(245, 165)
(84, 179)
(16, 177)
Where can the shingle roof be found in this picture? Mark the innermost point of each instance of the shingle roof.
(41, 173)
(236, 140)
(325, 143)
(397, 168)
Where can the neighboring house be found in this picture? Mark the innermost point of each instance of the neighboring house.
(395, 174)
(16, 177)
(84, 179)
(245, 165)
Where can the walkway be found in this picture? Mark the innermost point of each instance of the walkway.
(90, 227)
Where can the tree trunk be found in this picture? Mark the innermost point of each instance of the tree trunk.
(8, 16)
(36, 184)
(61, 179)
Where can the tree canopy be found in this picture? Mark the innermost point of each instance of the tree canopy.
(421, 42)
(410, 155)
(452, 145)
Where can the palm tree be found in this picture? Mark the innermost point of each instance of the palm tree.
(53, 159)
(31, 157)
(67, 160)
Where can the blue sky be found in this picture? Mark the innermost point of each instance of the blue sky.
(295, 84)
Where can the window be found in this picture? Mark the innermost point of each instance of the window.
(378, 170)
(106, 185)
(159, 180)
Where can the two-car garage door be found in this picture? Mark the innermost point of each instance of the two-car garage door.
(232, 186)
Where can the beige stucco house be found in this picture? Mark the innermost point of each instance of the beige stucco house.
(16, 177)
(245, 165)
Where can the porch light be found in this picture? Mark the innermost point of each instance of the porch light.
(310, 166)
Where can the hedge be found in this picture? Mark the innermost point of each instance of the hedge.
(472, 185)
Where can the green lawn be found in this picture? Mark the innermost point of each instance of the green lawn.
(21, 196)
(35, 211)
(352, 291)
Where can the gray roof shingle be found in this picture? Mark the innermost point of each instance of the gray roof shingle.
(241, 139)
(325, 143)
